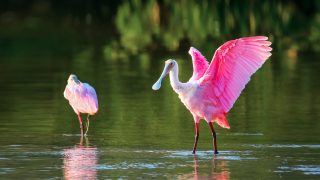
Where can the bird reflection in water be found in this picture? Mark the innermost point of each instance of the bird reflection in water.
(218, 170)
(80, 161)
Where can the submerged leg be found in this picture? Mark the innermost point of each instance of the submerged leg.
(81, 141)
(88, 122)
(196, 137)
(214, 138)
(80, 122)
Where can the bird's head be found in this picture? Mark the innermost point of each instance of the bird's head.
(73, 79)
(169, 65)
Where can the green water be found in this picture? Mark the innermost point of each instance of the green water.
(139, 133)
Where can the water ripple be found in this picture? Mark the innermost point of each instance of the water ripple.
(71, 135)
(306, 169)
(244, 134)
(224, 155)
(314, 146)
(126, 165)
(6, 170)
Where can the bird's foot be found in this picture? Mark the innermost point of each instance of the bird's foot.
(216, 152)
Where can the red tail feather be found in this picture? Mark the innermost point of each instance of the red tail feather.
(222, 121)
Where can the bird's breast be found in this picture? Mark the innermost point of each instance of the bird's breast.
(197, 102)
(188, 96)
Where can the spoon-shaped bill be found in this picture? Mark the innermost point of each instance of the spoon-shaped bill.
(156, 86)
(166, 70)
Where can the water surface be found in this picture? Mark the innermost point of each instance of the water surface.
(140, 133)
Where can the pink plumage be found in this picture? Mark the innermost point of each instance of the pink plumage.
(213, 89)
(82, 98)
(232, 66)
(200, 64)
(222, 82)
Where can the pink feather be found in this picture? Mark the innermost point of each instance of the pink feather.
(200, 64)
(82, 97)
(232, 66)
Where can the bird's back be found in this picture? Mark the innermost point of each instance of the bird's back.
(82, 97)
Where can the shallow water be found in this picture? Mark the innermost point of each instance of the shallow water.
(139, 133)
(145, 134)
(91, 161)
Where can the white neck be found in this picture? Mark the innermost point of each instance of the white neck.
(174, 79)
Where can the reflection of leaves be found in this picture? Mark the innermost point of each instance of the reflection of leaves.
(113, 51)
(315, 33)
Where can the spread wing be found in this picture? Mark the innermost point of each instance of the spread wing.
(232, 66)
(82, 98)
(200, 64)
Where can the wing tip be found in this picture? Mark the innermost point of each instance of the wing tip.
(269, 54)
(193, 50)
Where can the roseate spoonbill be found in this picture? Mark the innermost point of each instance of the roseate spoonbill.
(212, 90)
(82, 97)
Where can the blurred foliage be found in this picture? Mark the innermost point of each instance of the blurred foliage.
(125, 29)
(174, 26)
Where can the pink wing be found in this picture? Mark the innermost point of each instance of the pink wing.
(91, 98)
(82, 98)
(200, 64)
(231, 67)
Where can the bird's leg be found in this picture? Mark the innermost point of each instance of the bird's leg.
(81, 140)
(80, 122)
(214, 136)
(86, 141)
(196, 138)
(88, 122)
